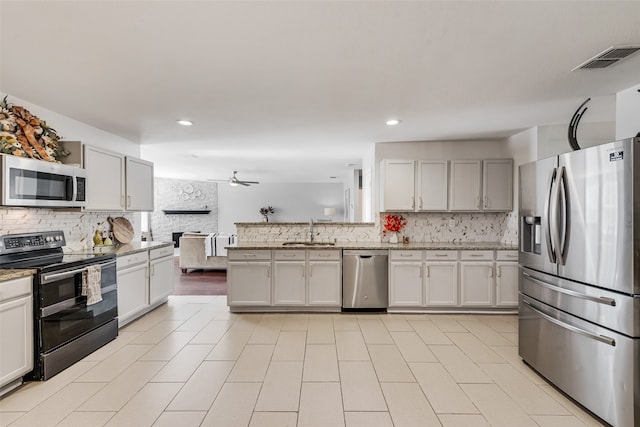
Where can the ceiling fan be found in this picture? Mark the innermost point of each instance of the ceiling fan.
(234, 181)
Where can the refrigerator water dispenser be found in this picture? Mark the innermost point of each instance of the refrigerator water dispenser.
(530, 236)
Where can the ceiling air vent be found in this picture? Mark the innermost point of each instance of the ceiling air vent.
(607, 58)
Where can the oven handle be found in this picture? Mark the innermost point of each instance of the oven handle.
(63, 305)
(601, 338)
(599, 300)
(48, 278)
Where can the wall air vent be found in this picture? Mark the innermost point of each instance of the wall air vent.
(607, 58)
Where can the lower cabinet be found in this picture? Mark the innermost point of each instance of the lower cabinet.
(16, 331)
(290, 283)
(441, 280)
(506, 284)
(249, 283)
(406, 285)
(324, 283)
(133, 292)
(160, 275)
(476, 284)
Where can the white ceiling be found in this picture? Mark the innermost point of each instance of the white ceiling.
(292, 91)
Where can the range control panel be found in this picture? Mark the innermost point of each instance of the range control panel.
(12, 243)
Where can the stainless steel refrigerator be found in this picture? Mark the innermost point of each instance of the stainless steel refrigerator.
(579, 317)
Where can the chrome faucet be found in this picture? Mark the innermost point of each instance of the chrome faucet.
(311, 230)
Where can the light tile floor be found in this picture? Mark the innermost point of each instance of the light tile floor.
(192, 363)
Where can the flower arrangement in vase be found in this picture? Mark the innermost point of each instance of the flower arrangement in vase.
(265, 212)
(393, 224)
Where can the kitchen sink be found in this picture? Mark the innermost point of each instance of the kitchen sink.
(305, 244)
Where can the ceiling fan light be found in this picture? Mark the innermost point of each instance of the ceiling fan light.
(393, 122)
(185, 122)
(233, 183)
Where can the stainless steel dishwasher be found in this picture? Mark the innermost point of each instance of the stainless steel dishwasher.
(365, 279)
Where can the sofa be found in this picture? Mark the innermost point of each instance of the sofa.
(197, 252)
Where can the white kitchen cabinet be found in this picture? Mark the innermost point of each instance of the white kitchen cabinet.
(432, 185)
(476, 278)
(105, 179)
(406, 284)
(465, 185)
(249, 278)
(397, 185)
(289, 283)
(307, 277)
(133, 286)
(441, 284)
(160, 275)
(16, 331)
(325, 282)
(507, 278)
(497, 185)
(139, 184)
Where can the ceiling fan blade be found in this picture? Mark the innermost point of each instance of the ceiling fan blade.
(250, 182)
(243, 183)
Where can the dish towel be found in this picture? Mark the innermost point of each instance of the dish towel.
(91, 284)
(208, 245)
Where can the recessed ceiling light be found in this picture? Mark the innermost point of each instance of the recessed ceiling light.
(393, 122)
(185, 122)
(332, 177)
(350, 165)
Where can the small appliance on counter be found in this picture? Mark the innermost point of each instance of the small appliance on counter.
(68, 324)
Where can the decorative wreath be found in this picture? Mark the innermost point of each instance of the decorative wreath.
(25, 135)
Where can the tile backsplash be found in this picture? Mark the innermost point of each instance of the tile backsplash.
(78, 227)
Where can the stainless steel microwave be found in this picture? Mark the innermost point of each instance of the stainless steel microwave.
(36, 183)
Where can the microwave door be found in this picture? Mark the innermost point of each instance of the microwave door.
(537, 229)
(596, 228)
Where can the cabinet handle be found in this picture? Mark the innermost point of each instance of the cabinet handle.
(427, 271)
(269, 272)
(476, 255)
(146, 272)
(288, 255)
(311, 271)
(413, 202)
(122, 200)
(486, 202)
(249, 255)
(478, 200)
(498, 272)
(441, 255)
(490, 272)
(129, 201)
(406, 255)
(153, 270)
(420, 202)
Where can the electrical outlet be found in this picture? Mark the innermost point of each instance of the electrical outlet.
(452, 223)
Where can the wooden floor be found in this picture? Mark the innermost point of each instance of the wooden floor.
(198, 282)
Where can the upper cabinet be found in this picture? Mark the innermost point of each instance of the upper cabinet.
(115, 182)
(139, 184)
(105, 179)
(407, 185)
(441, 185)
(497, 185)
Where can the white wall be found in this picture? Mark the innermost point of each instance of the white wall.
(297, 202)
(553, 139)
(628, 113)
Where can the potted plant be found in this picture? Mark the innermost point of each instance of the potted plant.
(393, 224)
(265, 212)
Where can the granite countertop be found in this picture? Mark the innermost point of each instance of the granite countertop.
(127, 249)
(384, 245)
(15, 274)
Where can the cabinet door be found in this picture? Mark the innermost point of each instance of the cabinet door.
(406, 288)
(465, 184)
(16, 338)
(497, 185)
(325, 283)
(289, 283)
(105, 179)
(160, 279)
(507, 284)
(249, 283)
(133, 292)
(432, 185)
(476, 283)
(441, 283)
(139, 184)
(397, 184)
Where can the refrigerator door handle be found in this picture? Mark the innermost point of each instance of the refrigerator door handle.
(564, 217)
(550, 223)
(599, 300)
(602, 338)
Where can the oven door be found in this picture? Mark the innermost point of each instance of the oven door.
(64, 314)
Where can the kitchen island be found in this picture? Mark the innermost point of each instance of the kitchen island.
(423, 276)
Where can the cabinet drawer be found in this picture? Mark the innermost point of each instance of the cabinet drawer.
(507, 255)
(441, 255)
(324, 255)
(289, 255)
(15, 287)
(405, 255)
(476, 255)
(160, 252)
(249, 255)
(133, 259)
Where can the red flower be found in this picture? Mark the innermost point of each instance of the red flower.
(393, 223)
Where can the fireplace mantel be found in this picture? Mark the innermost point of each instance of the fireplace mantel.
(186, 211)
